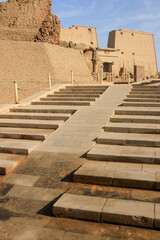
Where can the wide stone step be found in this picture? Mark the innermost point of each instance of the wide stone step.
(87, 87)
(37, 116)
(73, 95)
(135, 119)
(127, 127)
(45, 109)
(144, 92)
(68, 103)
(27, 123)
(84, 89)
(17, 146)
(149, 89)
(142, 100)
(109, 210)
(129, 175)
(76, 94)
(143, 96)
(81, 91)
(117, 153)
(91, 89)
(146, 87)
(67, 99)
(22, 133)
(8, 162)
(139, 104)
(130, 139)
(152, 111)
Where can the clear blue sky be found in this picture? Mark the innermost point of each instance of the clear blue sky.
(107, 15)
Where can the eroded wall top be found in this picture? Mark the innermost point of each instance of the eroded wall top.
(29, 20)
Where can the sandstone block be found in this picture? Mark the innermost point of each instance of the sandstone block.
(135, 213)
(79, 207)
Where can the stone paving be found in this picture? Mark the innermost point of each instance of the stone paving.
(28, 194)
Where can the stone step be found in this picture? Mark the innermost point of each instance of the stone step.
(25, 133)
(45, 109)
(68, 99)
(135, 119)
(69, 103)
(146, 87)
(124, 127)
(144, 92)
(149, 89)
(130, 139)
(27, 123)
(139, 104)
(9, 162)
(108, 210)
(129, 175)
(74, 95)
(143, 96)
(80, 91)
(84, 89)
(87, 87)
(17, 146)
(152, 111)
(117, 153)
(142, 100)
(37, 116)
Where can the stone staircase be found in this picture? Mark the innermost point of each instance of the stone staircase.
(126, 156)
(24, 128)
(73, 96)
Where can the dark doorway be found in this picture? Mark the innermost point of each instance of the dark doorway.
(107, 67)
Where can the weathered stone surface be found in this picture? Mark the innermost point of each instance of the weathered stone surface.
(95, 173)
(135, 179)
(115, 153)
(128, 212)
(18, 146)
(29, 21)
(116, 174)
(20, 179)
(27, 192)
(7, 166)
(49, 30)
(80, 207)
(157, 216)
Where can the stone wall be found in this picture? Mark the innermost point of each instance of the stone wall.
(139, 73)
(30, 61)
(29, 20)
(134, 48)
(81, 36)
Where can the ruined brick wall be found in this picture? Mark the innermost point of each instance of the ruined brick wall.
(29, 20)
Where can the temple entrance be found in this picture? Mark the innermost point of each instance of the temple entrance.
(107, 67)
(107, 71)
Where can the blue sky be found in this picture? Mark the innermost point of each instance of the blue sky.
(107, 15)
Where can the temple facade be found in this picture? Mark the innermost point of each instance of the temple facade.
(129, 56)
